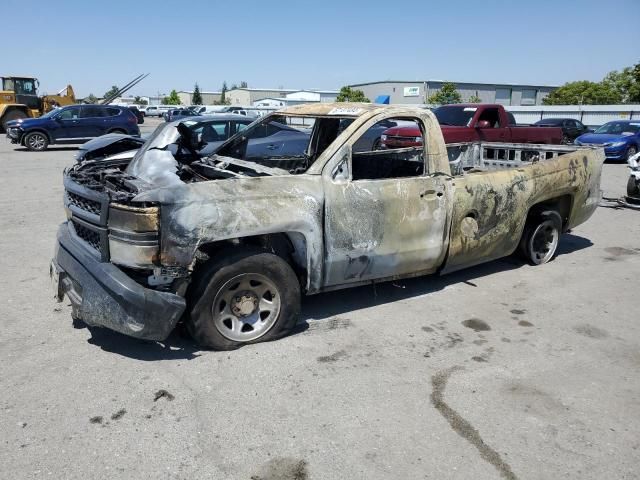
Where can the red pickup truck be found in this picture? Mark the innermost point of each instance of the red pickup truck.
(470, 123)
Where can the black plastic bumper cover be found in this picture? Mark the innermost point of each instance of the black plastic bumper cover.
(102, 295)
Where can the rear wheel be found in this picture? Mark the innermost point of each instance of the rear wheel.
(12, 115)
(246, 296)
(541, 237)
(36, 141)
(633, 187)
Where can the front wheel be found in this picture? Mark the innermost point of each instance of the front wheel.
(631, 151)
(247, 296)
(36, 141)
(541, 237)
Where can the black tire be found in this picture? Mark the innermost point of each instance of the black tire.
(541, 237)
(12, 115)
(633, 189)
(217, 279)
(376, 145)
(118, 130)
(566, 140)
(36, 141)
(631, 151)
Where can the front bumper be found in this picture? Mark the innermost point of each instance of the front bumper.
(617, 153)
(14, 134)
(103, 295)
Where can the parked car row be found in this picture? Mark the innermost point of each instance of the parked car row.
(77, 124)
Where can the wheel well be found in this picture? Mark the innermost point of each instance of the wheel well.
(561, 204)
(290, 246)
(39, 130)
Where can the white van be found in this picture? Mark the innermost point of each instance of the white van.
(159, 110)
(208, 109)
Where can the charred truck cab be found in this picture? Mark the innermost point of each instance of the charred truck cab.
(229, 242)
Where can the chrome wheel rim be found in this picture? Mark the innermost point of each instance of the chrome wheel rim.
(543, 242)
(246, 307)
(36, 141)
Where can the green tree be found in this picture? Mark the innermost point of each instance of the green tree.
(625, 83)
(111, 91)
(446, 95)
(634, 95)
(196, 98)
(584, 92)
(91, 98)
(474, 99)
(223, 95)
(347, 94)
(172, 99)
(138, 100)
(244, 84)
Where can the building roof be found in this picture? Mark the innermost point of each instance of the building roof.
(457, 83)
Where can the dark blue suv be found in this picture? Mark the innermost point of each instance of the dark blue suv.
(72, 124)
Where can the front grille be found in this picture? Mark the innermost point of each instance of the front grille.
(89, 236)
(85, 204)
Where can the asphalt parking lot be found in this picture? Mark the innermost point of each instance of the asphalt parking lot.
(500, 371)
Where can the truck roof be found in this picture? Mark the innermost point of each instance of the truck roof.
(339, 109)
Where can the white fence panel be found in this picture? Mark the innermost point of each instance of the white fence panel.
(590, 115)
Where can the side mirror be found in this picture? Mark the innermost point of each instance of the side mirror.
(483, 124)
(340, 173)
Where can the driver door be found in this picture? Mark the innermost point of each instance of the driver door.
(69, 124)
(385, 215)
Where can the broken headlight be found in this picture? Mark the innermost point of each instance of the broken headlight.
(133, 236)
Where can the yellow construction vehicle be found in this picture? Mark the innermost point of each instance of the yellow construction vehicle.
(19, 99)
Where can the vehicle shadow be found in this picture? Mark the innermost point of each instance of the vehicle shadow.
(178, 346)
(331, 304)
(51, 148)
(318, 309)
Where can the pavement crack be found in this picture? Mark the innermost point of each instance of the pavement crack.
(462, 427)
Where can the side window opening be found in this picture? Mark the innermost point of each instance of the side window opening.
(69, 114)
(91, 112)
(373, 159)
(491, 115)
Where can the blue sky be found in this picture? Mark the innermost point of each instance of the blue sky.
(321, 44)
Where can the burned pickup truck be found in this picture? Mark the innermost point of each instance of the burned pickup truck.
(229, 243)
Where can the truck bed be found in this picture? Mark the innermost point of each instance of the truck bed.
(471, 157)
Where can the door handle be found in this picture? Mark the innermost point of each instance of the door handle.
(272, 147)
(431, 193)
